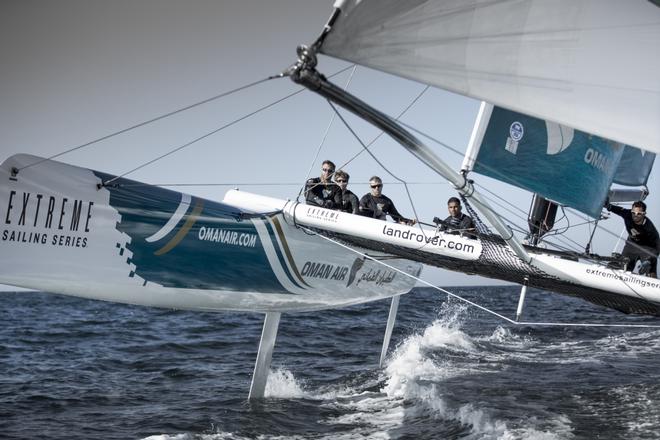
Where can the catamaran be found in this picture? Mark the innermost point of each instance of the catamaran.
(552, 107)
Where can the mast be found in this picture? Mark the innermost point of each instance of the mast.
(477, 136)
(304, 72)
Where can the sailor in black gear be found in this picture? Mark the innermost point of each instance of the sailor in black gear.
(377, 205)
(321, 191)
(457, 222)
(345, 200)
(643, 242)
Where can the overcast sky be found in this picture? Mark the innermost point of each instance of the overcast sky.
(72, 71)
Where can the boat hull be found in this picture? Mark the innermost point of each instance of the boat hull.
(490, 256)
(64, 231)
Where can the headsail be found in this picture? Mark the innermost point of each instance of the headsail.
(536, 57)
(566, 165)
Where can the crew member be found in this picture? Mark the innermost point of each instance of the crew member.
(321, 191)
(376, 205)
(345, 200)
(643, 242)
(457, 222)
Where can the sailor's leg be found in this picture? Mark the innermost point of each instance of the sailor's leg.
(266, 345)
(394, 306)
(629, 251)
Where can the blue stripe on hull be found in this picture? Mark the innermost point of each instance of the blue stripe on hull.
(280, 256)
(211, 247)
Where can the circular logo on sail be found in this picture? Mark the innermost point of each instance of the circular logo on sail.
(516, 131)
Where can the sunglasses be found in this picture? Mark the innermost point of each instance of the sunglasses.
(380, 185)
(328, 170)
(341, 181)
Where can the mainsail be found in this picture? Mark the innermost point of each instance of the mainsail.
(587, 64)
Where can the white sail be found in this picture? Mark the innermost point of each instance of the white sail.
(588, 64)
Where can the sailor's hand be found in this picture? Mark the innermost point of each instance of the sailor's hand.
(328, 204)
(436, 220)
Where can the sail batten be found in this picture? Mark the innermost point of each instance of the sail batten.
(587, 64)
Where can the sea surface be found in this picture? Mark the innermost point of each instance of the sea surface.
(81, 369)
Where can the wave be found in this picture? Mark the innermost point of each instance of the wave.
(416, 371)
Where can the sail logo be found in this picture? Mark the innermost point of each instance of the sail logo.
(30, 218)
(598, 160)
(516, 133)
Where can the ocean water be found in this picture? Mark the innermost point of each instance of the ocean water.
(80, 369)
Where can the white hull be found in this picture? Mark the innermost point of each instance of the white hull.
(425, 243)
(62, 234)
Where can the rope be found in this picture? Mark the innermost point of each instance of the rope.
(335, 113)
(157, 118)
(403, 182)
(187, 144)
(272, 104)
(166, 115)
(419, 95)
(129, 185)
(325, 135)
(478, 306)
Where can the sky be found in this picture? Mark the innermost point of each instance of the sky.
(73, 71)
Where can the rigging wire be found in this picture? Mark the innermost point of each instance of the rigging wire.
(376, 159)
(366, 148)
(157, 118)
(138, 184)
(163, 116)
(325, 135)
(235, 121)
(204, 136)
(472, 303)
(419, 95)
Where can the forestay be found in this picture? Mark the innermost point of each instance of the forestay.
(587, 64)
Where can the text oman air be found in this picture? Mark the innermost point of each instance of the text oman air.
(227, 236)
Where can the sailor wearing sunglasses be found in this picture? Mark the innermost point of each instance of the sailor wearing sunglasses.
(345, 200)
(643, 242)
(375, 204)
(321, 191)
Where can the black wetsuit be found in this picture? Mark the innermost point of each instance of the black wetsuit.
(458, 225)
(320, 194)
(346, 201)
(643, 242)
(380, 207)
